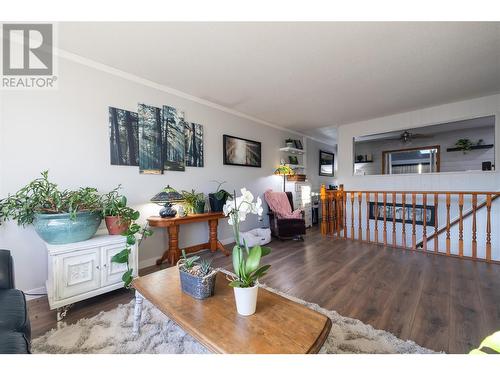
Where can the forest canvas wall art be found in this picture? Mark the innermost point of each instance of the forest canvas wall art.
(150, 140)
(123, 137)
(242, 152)
(194, 144)
(173, 139)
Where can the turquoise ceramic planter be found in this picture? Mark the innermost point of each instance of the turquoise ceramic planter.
(60, 228)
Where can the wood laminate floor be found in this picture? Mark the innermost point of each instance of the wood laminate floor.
(442, 303)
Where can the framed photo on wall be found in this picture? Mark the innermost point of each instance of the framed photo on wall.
(241, 152)
(326, 160)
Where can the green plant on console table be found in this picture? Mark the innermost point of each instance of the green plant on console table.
(115, 204)
(191, 199)
(221, 194)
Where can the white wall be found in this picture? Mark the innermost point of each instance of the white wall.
(66, 131)
(447, 181)
(449, 161)
(312, 164)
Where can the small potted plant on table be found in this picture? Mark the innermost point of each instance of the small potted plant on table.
(197, 276)
(218, 199)
(193, 201)
(246, 261)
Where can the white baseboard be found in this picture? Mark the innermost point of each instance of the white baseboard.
(39, 290)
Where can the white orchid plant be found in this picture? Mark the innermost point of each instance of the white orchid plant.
(246, 262)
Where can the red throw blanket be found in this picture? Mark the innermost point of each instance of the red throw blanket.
(280, 205)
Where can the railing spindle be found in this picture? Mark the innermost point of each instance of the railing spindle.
(424, 217)
(360, 230)
(474, 228)
(460, 225)
(393, 219)
(324, 212)
(448, 203)
(436, 225)
(403, 204)
(385, 218)
(376, 217)
(413, 221)
(352, 215)
(338, 207)
(367, 217)
(488, 227)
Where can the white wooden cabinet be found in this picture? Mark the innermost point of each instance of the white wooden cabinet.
(81, 270)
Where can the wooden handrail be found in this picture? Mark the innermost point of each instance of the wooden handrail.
(456, 221)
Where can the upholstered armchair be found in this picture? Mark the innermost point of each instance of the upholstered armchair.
(15, 330)
(287, 228)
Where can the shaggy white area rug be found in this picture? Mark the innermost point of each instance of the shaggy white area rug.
(111, 332)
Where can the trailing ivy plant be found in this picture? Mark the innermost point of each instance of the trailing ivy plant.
(41, 196)
(129, 215)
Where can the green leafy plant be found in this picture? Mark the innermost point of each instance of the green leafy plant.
(188, 263)
(191, 199)
(41, 196)
(115, 204)
(205, 266)
(221, 194)
(464, 144)
(246, 261)
(490, 344)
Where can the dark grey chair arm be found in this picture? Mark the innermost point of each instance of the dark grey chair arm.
(6, 270)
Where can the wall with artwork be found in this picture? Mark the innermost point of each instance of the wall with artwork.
(313, 163)
(68, 132)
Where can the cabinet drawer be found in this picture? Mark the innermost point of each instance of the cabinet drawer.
(78, 273)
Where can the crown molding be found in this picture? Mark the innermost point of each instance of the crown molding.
(154, 85)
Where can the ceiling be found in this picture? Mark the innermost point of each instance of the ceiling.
(308, 77)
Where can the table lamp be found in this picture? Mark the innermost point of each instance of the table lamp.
(165, 198)
(284, 170)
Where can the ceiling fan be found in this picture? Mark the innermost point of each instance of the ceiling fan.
(407, 136)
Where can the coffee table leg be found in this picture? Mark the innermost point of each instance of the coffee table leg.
(137, 313)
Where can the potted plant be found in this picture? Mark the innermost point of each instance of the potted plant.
(58, 216)
(117, 215)
(289, 142)
(193, 201)
(464, 144)
(197, 276)
(218, 199)
(246, 261)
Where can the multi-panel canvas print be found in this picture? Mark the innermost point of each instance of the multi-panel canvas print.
(173, 140)
(123, 137)
(150, 140)
(194, 144)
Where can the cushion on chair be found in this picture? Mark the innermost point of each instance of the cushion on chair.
(13, 312)
(12, 342)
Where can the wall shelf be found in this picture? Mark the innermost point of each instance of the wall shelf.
(292, 150)
(477, 147)
(363, 162)
(295, 165)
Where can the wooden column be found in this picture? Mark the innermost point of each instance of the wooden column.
(394, 219)
(367, 216)
(488, 227)
(413, 222)
(474, 226)
(385, 217)
(360, 230)
(403, 203)
(460, 225)
(376, 217)
(324, 210)
(448, 202)
(424, 226)
(344, 211)
(352, 215)
(436, 224)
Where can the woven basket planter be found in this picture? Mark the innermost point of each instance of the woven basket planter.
(195, 286)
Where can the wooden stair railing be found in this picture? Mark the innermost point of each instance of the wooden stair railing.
(458, 220)
(402, 207)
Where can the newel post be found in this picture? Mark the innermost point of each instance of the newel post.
(324, 210)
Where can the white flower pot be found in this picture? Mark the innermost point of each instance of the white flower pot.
(246, 300)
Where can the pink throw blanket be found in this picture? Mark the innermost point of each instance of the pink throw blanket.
(278, 203)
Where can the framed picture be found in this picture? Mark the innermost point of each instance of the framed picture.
(123, 137)
(326, 160)
(430, 213)
(242, 152)
(293, 160)
(298, 144)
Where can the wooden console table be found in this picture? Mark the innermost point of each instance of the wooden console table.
(173, 253)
